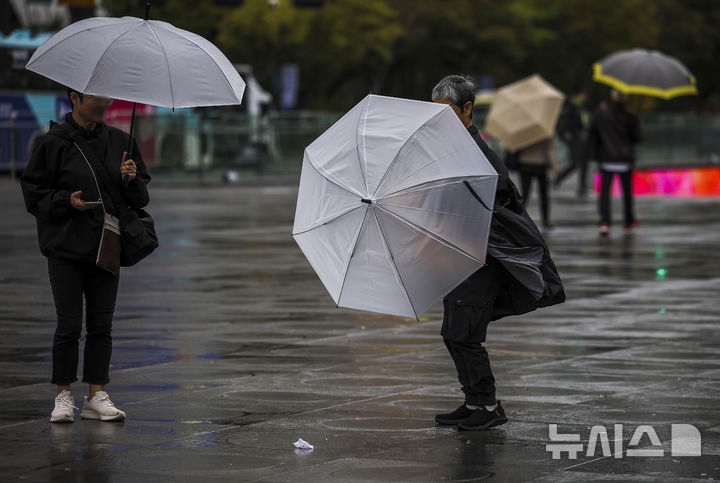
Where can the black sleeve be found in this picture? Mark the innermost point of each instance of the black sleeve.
(592, 139)
(505, 191)
(42, 199)
(636, 131)
(136, 193)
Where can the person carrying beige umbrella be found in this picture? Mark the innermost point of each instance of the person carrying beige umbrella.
(523, 117)
(534, 162)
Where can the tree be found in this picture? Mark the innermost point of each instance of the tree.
(198, 16)
(348, 48)
(341, 48)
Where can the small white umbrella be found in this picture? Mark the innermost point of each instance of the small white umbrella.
(138, 60)
(393, 209)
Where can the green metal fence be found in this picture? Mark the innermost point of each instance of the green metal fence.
(210, 143)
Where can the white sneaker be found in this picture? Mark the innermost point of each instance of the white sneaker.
(101, 407)
(64, 406)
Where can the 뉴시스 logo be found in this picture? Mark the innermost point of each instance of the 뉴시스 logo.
(685, 441)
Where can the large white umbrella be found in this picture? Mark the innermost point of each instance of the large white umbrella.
(138, 60)
(394, 205)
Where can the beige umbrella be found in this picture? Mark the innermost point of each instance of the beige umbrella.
(524, 112)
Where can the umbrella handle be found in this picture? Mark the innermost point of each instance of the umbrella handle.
(126, 179)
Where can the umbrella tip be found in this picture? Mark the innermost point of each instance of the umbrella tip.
(365, 200)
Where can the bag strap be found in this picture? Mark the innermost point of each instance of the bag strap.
(94, 177)
(102, 173)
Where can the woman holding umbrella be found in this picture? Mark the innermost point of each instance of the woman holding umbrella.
(534, 162)
(137, 60)
(61, 191)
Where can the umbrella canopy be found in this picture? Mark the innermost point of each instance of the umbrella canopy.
(388, 211)
(524, 112)
(645, 72)
(137, 60)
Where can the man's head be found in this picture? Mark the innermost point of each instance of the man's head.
(87, 107)
(618, 97)
(459, 92)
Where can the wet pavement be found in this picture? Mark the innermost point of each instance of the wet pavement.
(227, 349)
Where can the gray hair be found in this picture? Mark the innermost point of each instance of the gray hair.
(457, 89)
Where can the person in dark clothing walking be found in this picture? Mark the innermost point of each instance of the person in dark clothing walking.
(534, 162)
(60, 191)
(489, 293)
(612, 135)
(571, 132)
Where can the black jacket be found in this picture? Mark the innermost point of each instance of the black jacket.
(613, 134)
(529, 278)
(57, 168)
(570, 125)
(505, 192)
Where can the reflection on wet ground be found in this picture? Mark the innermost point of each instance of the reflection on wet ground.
(227, 349)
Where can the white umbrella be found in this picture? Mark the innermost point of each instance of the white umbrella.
(137, 60)
(390, 211)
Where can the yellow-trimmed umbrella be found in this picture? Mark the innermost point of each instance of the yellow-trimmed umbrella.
(645, 72)
(524, 112)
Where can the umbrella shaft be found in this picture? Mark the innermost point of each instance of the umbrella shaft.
(132, 126)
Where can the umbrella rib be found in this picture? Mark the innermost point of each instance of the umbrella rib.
(325, 174)
(447, 182)
(391, 259)
(167, 63)
(429, 234)
(352, 253)
(433, 119)
(418, 169)
(59, 42)
(422, 210)
(387, 201)
(363, 158)
(335, 216)
(206, 53)
(435, 160)
(106, 51)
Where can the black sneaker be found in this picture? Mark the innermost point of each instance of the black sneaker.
(482, 419)
(501, 411)
(454, 417)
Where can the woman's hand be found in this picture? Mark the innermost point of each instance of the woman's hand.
(77, 202)
(128, 168)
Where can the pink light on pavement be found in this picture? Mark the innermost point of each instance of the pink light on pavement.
(700, 182)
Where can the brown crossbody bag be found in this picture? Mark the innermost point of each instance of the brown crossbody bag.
(108, 255)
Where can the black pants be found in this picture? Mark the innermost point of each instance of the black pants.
(474, 373)
(577, 161)
(71, 280)
(527, 173)
(605, 185)
(468, 309)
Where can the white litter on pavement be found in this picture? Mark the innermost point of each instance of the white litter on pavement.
(302, 444)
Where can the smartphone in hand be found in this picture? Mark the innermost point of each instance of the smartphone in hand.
(92, 204)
